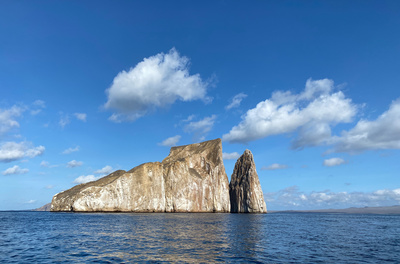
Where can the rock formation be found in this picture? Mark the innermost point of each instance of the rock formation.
(244, 189)
(191, 179)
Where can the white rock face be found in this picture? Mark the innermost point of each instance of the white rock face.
(191, 179)
(244, 189)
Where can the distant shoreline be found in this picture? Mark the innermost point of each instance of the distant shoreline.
(395, 209)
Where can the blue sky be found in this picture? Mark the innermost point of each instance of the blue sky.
(310, 87)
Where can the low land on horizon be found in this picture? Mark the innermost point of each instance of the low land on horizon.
(395, 209)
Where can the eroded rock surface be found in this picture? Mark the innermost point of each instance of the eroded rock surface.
(195, 179)
(244, 189)
(191, 179)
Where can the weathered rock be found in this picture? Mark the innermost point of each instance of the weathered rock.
(191, 179)
(244, 189)
(195, 179)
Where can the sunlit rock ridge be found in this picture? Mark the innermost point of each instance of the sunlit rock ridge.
(191, 179)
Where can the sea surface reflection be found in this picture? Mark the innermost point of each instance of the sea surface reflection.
(42, 237)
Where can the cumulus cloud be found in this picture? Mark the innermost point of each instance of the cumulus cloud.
(334, 162)
(275, 166)
(12, 151)
(8, 118)
(381, 133)
(156, 82)
(74, 163)
(200, 128)
(105, 170)
(230, 156)
(314, 110)
(15, 170)
(70, 150)
(85, 179)
(171, 141)
(31, 201)
(81, 116)
(293, 198)
(236, 100)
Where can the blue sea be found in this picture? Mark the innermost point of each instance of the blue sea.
(44, 237)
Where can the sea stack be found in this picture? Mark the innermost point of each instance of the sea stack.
(191, 179)
(244, 189)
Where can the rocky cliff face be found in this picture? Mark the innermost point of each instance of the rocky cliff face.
(244, 189)
(191, 179)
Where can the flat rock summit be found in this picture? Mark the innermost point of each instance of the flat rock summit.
(191, 179)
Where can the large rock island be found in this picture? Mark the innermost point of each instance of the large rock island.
(191, 179)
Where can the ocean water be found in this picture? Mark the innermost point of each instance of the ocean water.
(43, 237)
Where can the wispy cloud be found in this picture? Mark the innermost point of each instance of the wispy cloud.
(334, 162)
(275, 166)
(171, 141)
(64, 120)
(37, 107)
(74, 163)
(156, 82)
(200, 128)
(236, 100)
(81, 116)
(71, 150)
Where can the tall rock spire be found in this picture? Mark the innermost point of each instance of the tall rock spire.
(244, 189)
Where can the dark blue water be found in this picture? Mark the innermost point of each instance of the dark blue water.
(43, 237)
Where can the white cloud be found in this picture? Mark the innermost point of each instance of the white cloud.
(275, 166)
(64, 120)
(70, 150)
(31, 201)
(230, 156)
(15, 170)
(85, 179)
(44, 164)
(49, 186)
(293, 198)
(8, 118)
(334, 162)
(200, 128)
(11, 151)
(105, 170)
(382, 133)
(171, 141)
(81, 116)
(203, 126)
(37, 106)
(236, 100)
(157, 81)
(74, 163)
(315, 110)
